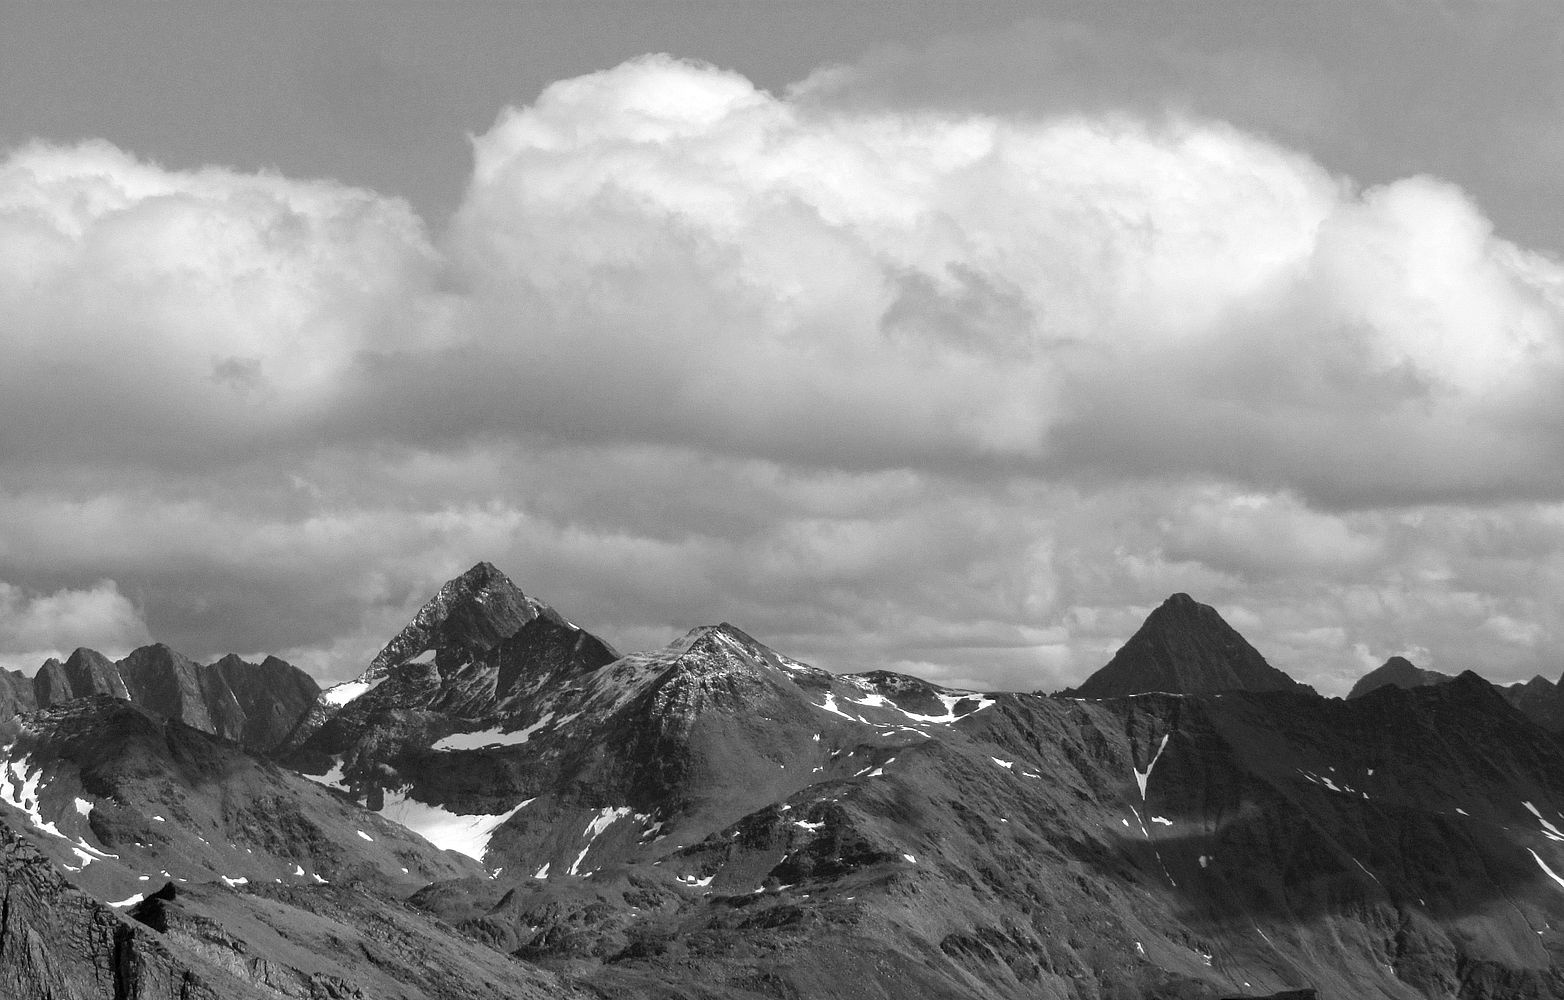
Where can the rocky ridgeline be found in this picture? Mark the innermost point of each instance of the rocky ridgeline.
(715, 819)
(254, 704)
(1539, 699)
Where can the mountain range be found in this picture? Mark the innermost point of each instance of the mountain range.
(501, 804)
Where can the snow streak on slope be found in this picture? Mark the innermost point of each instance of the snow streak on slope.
(602, 821)
(1544, 866)
(1142, 777)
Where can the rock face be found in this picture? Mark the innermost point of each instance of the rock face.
(86, 672)
(256, 704)
(59, 943)
(1184, 647)
(253, 704)
(442, 651)
(16, 693)
(1399, 672)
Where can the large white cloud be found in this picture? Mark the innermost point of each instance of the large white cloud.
(874, 288)
(961, 393)
(151, 312)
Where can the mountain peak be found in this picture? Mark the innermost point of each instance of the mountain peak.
(1185, 647)
(474, 611)
(1398, 671)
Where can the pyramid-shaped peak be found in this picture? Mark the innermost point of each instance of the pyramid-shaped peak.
(1185, 647)
(706, 635)
(472, 612)
(1398, 671)
(484, 574)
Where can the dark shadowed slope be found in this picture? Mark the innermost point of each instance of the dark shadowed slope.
(1539, 699)
(1184, 647)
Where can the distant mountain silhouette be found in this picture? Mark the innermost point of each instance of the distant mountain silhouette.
(1184, 647)
(1399, 672)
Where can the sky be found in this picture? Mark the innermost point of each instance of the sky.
(941, 338)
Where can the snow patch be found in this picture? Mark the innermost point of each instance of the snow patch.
(83, 806)
(1006, 764)
(1548, 829)
(19, 788)
(131, 901)
(449, 831)
(491, 737)
(366, 836)
(830, 706)
(234, 882)
(1162, 819)
(950, 701)
(340, 694)
(333, 778)
(1327, 782)
(910, 859)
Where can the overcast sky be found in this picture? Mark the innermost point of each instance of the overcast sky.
(943, 338)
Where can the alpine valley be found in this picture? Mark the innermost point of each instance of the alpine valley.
(502, 805)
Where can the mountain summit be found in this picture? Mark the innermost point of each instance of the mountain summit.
(471, 613)
(1398, 671)
(1184, 647)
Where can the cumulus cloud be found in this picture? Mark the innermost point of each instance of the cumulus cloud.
(170, 316)
(958, 391)
(34, 626)
(1069, 295)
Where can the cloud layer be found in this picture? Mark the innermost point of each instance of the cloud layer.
(956, 392)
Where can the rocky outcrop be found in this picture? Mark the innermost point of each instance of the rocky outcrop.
(16, 693)
(167, 684)
(253, 704)
(256, 704)
(444, 653)
(1399, 672)
(86, 672)
(58, 943)
(1184, 647)
(468, 616)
